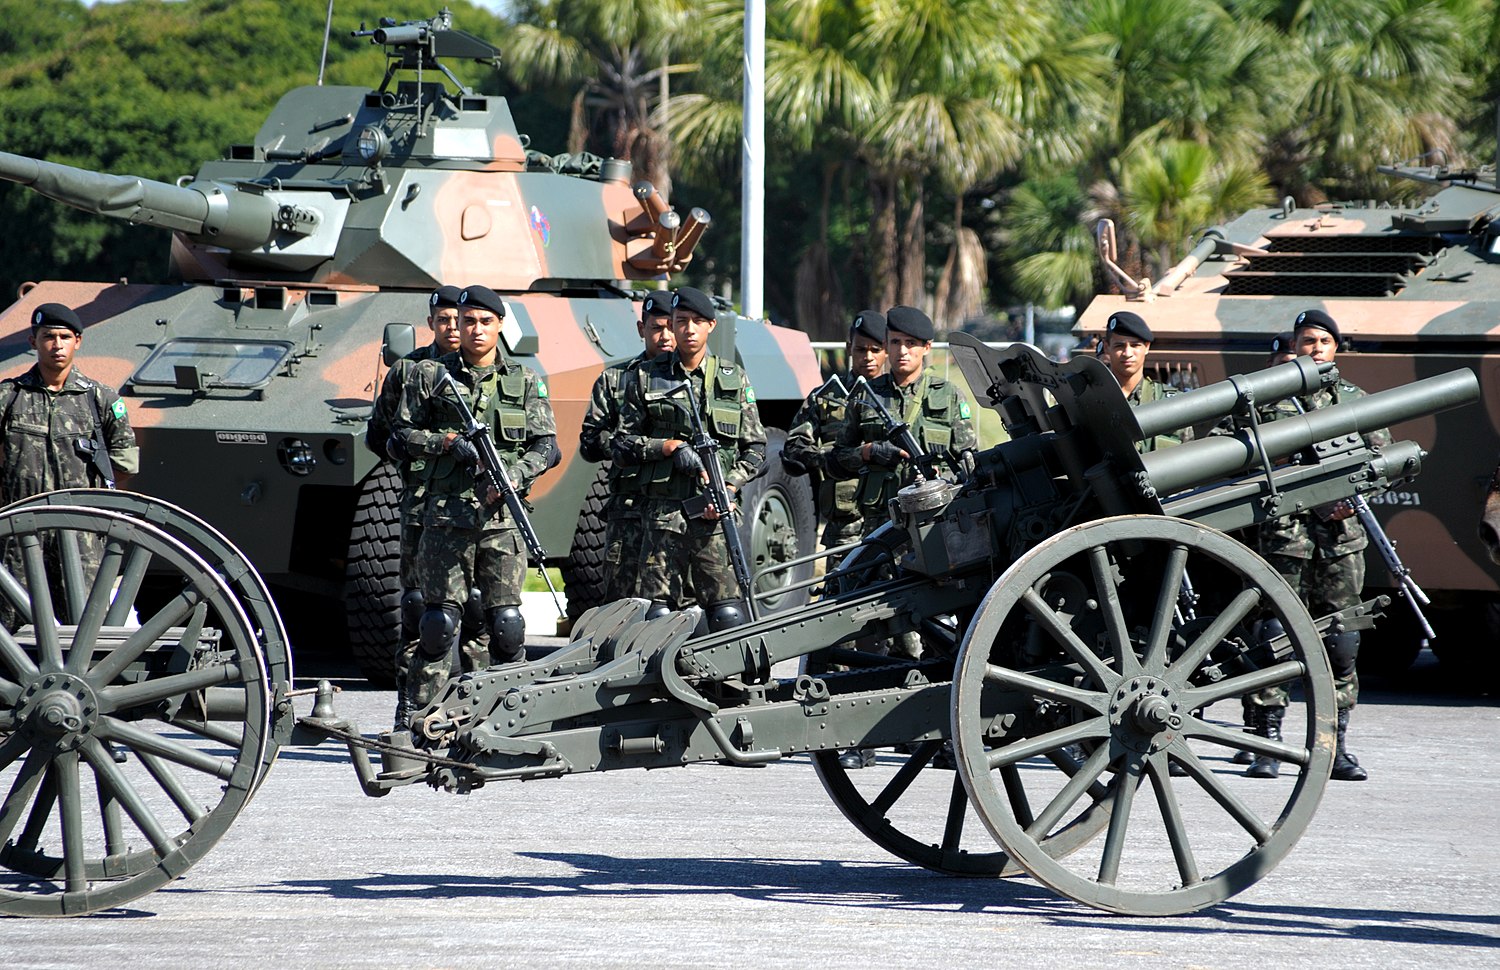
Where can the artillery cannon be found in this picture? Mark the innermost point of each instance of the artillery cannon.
(1056, 667)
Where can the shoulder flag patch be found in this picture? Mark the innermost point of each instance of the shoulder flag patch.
(749, 394)
(119, 408)
(963, 409)
(541, 387)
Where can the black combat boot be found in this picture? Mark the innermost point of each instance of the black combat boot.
(1345, 766)
(1252, 726)
(852, 759)
(1265, 766)
(403, 707)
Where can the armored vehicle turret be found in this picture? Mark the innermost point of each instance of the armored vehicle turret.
(249, 378)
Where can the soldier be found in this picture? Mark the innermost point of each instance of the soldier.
(624, 529)
(1321, 555)
(1126, 344)
(468, 538)
(1283, 349)
(60, 429)
(818, 424)
(653, 442)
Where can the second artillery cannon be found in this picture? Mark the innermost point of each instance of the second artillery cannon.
(1059, 682)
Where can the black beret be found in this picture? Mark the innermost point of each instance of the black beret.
(55, 315)
(868, 323)
(1318, 320)
(443, 296)
(1128, 324)
(482, 298)
(694, 300)
(1282, 343)
(910, 321)
(658, 304)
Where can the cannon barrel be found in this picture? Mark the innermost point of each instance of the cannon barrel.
(1221, 456)
(1301, 376)
(215, 213)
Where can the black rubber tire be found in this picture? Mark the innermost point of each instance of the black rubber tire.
(789, 499)
(585, 573)
(372, 576)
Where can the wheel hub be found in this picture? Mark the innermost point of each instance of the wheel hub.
(60, 707)
(1145, 714)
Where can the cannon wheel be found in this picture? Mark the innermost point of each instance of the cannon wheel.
(896, 811)
(114, 734)
(1123, 680)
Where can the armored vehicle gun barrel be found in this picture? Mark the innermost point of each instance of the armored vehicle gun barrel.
(215, 213)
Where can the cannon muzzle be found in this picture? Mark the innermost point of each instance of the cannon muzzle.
(210, 212)
(1222, 456)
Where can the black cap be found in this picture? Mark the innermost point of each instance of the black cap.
(868, 323)
(1282, 343)
(694, 300)
(482, 298)
(443, 296)
(1318, 320)
(910, 321)
(658, 304)
(1128, 324)
(55, 315)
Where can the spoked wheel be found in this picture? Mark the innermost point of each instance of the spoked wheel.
(133, 728)
(912, 802)
(1082, 642)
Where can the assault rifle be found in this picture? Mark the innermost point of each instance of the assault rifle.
(899, 434)
(716, 495)
(493, 474)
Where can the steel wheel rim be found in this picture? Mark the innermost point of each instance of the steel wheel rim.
(1131, 709)
(44, 766)
(771, 524)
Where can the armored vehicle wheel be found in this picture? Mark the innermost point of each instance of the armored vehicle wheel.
(116, 733)
(779, 524)
(372, 576)
(585, 573)
(1077, 647)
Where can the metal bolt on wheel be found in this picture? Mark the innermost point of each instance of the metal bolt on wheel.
(1085, 628)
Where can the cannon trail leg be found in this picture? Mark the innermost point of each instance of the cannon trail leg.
(1115, 685)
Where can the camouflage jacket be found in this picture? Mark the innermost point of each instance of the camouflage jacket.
(383, 414)
(509, 398)
(41, 432)
(1302, 534)
(815, 433)
(648, 419)
(940, 419)
(1146, 391)
(602, 420)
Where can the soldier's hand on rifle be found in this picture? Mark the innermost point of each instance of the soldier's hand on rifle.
(884, 453)
(711, 514)
(685, 459)
(463, 451)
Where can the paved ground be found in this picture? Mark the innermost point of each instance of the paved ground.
(722, 867)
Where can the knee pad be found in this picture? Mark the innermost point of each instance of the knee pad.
(1343, 650)
(1269, 629)
(474, 619)
(656, 610)
(412, 608)
(439, 629)
(507, 633)
(725, 614)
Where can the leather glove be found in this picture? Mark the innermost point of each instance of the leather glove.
(685, 459)
(464, 452)
(792, 465)
(885, 454)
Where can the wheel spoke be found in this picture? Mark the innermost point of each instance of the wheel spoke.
(70, 816)
(1015, 794)
(110, 777)
(14, 591)
(214, 732)
(73, 583)
(131, 577)
(1237, 610)
(11, 749)
(125, 696)
(173, 786)
(43, 618)
(41, 809)
(1171, 814)
(113, 729)
(114, 835)
(1009, 754)
(127, 653)
(1082, 782)
(1042, 687)
(1125, 785)
(907, 774)
(1166, 604)
(21, 787)
(92, 616)
(1061, 632)
(1199, 728)
(13, 658)
(953, 825)
(1228, 800)
(1126, 662)
(1281, 673)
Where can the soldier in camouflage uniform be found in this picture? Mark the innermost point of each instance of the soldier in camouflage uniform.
(653, 445)
(818, 424)
(60, 429)
(1126, 344)
(624, 526)
(468, 538)
(1321, 555)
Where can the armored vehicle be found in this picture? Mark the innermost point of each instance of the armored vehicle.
(1415, 291)
(250, 378)
(1080, 610)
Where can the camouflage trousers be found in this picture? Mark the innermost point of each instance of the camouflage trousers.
(1326, 584)
(474, 649)
(840, 531)
(680, 557)
(90, 554)
(624, 538)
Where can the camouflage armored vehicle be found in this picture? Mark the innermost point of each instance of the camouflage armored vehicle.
(249, 380)
(1415, 291)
